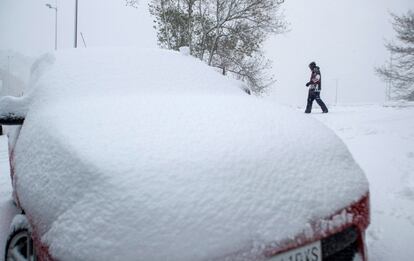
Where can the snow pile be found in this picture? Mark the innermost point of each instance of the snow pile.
(185, 50)
(399, 104)
(152, 154)
(13, 107)
(19, 222)
(7, 209)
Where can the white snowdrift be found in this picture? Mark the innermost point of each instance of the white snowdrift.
(151, 155)
(11, 106)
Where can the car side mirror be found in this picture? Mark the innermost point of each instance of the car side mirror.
(12, 110)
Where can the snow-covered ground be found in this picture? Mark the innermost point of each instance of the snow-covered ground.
(381, 140)
(7, 209)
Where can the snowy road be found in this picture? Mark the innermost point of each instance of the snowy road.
(382, 142)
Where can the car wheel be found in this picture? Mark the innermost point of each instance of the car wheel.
(19, 246)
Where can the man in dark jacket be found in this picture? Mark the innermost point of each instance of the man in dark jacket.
(315, 85)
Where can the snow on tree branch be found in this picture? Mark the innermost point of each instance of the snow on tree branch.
(399, 71)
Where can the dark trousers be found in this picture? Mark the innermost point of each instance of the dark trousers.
(315, 96)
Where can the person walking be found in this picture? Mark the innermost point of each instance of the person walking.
(315, 85)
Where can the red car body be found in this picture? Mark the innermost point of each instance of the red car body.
(341, 234)
(323, 229)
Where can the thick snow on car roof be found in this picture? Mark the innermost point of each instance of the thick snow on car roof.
(152, 155)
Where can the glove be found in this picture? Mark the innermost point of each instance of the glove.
(307, 85)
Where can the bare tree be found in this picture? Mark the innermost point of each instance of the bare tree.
(227, 34)
(133, 3)
(399, 71)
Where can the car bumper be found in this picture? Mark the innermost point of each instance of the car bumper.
(342, 235)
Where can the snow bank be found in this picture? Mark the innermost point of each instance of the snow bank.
(13, 106)
(152, 154)
(7, 209)
(399, 104)
(185, 50)
(19, 222)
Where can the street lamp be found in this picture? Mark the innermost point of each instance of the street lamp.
(55, 8)
(76, 24)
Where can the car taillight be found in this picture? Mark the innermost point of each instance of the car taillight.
(341, 234)
(361, 212)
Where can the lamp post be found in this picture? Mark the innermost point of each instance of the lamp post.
(56, 10)
(336, 90)
(76, 24)
(8, 78)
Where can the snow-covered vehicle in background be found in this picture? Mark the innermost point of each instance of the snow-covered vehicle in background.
(152, 155)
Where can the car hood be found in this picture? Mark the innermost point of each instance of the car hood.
(182, 176)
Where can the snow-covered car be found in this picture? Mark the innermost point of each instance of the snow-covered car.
(152, 155)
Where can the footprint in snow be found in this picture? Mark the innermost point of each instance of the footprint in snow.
(370, 132)
(407, 193)
(374, 234)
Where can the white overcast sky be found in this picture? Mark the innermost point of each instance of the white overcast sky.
(28, 25)
(345, 37)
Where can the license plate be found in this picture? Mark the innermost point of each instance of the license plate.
(311, 252)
